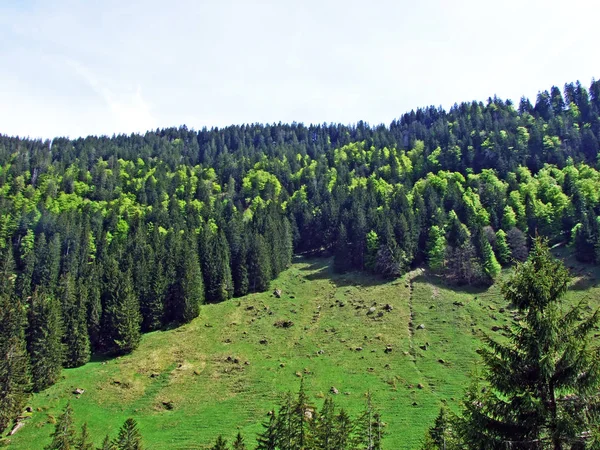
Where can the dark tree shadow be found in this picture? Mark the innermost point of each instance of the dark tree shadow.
(322, 269)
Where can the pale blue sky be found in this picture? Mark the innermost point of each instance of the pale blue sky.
(73, 68)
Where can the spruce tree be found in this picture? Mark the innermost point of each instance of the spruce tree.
(220, 444)
(75, 337)
(368, 431)
(439, 436)
(325, 427)
(84, 440)
(343, 435)
(215, 265)
(93, 293)
(44, 339)
(129, 437)
(27, 263)
(238, 444)
(543, 381)
(302, 417)
(268, 439)
(239, 269)
(342, 258)
(121, 313)
(107, 444)
(190, 279)
(490, 264)
(286, 431)
(64, 436)
(259, 264)
(14, 360)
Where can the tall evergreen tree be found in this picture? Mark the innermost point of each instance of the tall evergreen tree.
(543, 381)
(44, 339)
(64, 436)
(84, 440)
(14, 360)
(342, 257)
(238, 444)
(268, 439)
(220, 444)
(259, 265)
(121, 312)
(325, 427)
(75, 336)
(129, 437)
(343, 436)
(215, 265)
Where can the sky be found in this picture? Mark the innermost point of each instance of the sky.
(75, 68)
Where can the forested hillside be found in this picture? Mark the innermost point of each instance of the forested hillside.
(103, 238)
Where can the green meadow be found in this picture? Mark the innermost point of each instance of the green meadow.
(412, 342)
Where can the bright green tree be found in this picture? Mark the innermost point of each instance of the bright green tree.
(503, 250)
(436, 248)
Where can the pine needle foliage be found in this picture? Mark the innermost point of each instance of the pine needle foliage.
(541, 384)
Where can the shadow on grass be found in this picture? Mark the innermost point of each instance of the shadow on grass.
(322, 269)
(584, 283)
(440, 282)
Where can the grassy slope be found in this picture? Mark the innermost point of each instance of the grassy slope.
(188, 366)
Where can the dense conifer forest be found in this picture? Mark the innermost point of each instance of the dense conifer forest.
(105, 238)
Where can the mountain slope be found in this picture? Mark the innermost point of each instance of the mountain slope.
(226, 369)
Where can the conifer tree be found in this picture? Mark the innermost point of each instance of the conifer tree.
(64, 436)
(44, 339)
(27, 258)
(84, 440)
(343, 437)
(215, 265)
(368, 431)
(325, 426)
(14, 360)
(220, 444)
(269, 438)
(75, 336)
(93, 293)
(238, 444)
(121, 312)
(543, 381)
(302, 417)
(259, 265)
(342, 258)
(239, 269)
(286, 432)
(439, 436)
(490, 264)
(107, 444)
(192, 286)
(129, 437)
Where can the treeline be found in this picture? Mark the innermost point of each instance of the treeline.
(102, 238)
(298, 425)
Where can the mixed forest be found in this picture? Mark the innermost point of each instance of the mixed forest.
(105, 238)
